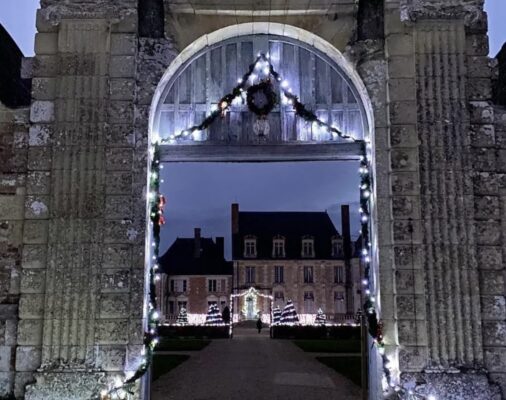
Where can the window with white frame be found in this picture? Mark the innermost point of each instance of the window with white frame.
(339, 274)
(308, 274)
(178, 285)
(279, 272)
(307, 247)
(181, 305)
(278, 247)
(337, 247)
(309, 303)
(340, 304)
(250, 274)
(250, 247)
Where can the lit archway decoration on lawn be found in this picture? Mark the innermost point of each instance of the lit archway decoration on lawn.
(249, 292)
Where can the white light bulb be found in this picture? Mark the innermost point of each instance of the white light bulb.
(365, 282)
(284, 84)
(431, 397)
(239, 80)
(266, 71)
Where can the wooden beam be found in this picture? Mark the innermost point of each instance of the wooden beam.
(260, 152)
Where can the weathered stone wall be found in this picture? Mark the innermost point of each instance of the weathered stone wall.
(13, 181)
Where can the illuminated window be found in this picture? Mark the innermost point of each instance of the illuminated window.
(212, 285)
(178, 285)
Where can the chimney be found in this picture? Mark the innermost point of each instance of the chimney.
(220, 247)
(235, 218)
(345, 227)
(196, 243)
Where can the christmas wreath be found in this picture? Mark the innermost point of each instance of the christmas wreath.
(261, 99)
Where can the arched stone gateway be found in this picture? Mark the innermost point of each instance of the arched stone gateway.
(73, 320)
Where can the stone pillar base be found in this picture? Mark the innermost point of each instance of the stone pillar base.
(66, 385)
(470, 385)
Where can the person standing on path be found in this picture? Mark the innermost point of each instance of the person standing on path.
(259, 324)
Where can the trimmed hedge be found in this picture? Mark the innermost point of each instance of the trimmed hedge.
(315, 332)
(194, 331)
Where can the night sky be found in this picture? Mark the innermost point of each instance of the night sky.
(200, 194)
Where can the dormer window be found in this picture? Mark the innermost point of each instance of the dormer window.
(278, 247)
(337, 247)
(250, 247)
(307, 247)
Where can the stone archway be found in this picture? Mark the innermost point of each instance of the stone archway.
(196, 151)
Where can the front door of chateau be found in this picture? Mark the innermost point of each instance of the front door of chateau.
(250, 311)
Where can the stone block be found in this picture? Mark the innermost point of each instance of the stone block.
(412, 358)
(43, 88)
(123, 44)
(401, 66)
(40, 135)
(119, 159)
(408, 256)
(122, 89)
(35, 232)
(113, 305)
(117, 256)
(134, 354)
(406, 306)
(112, 331)
(478, 67)
(494, 333)
(11, 207)
(404, 159)
(399, 44)
(115, 280)
(11, 232)
(491, 283)
(135, 331)
(481, 112)
(495, 359)
(127, 23)
(402, 89)
(6, 358)
(30, 332)
(120, 135)
(21, 380)
(34, 256)
(477, 45)
(36, 207)
(479, 89)
(45, 66)
(8, 311)
(42, 111)
(412, 332)
(33, 280)
(403, 136)
(486, 207)
(121, 111)
(403, 112)
(501, 160)
(402, 231)
(405, 183)
(118, 182)
(484, 159)
(39, 158)
(122, 67)
(489, 257)
(404, 207)
(111, 357)
(46, 43)
(486, 183)
(38, 182)
(11, 332)
(6, 384)
(123, 231)
(118, 207)
(482, 135)
(28, 358)
(31, 306)
(488, 232)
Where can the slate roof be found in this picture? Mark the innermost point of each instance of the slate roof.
(179, 259)
(293, 226)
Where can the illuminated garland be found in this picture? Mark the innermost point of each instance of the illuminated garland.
(261, 66)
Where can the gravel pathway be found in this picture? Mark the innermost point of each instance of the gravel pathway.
(252, 367)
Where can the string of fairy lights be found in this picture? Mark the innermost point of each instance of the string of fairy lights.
(259, 73)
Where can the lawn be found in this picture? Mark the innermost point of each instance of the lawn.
(329, 346)
(163, 363)
(346, 366)
(167, 344)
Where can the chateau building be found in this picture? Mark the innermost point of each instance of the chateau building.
(298, 256)
(194, 275)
